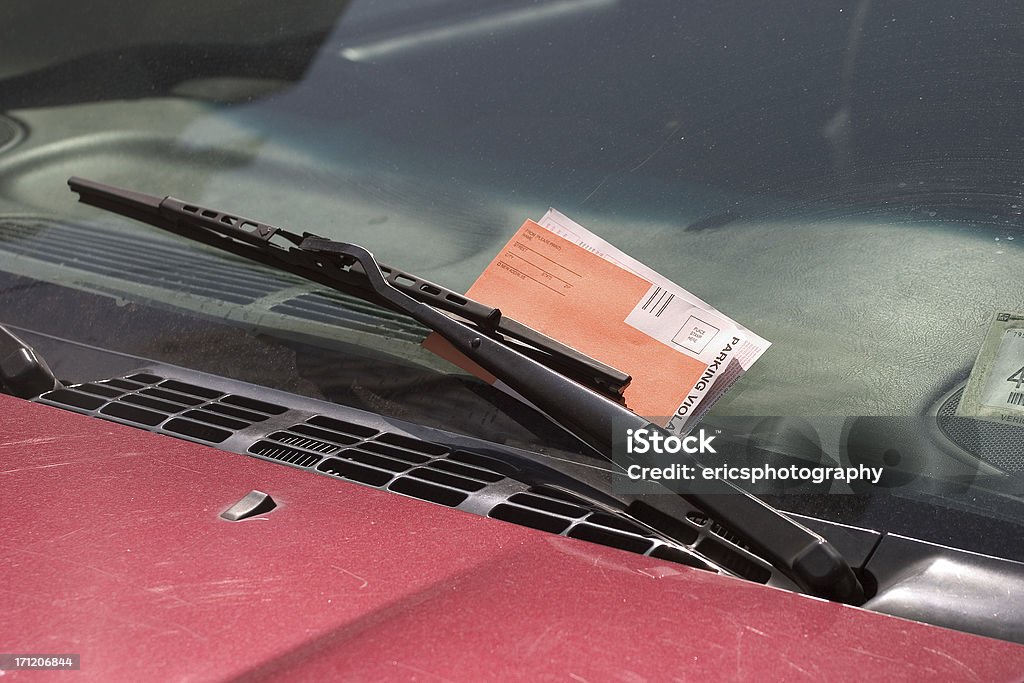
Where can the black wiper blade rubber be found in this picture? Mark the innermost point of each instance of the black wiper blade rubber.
(799, 553)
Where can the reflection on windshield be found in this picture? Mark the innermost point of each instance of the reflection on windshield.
(844, 178)
(876, 225)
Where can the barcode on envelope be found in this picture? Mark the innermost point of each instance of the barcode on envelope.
(657, 301)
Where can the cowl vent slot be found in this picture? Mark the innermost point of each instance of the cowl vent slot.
(304, 442)
(292, 456)
(165, 405)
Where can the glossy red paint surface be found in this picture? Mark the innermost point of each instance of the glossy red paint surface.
(112, 548)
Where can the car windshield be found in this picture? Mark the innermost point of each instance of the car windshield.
(843, 178)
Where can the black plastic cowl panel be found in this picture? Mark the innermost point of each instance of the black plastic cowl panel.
(439, 467)
(948, 587)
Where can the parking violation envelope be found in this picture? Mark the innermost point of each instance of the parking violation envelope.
(672, 344)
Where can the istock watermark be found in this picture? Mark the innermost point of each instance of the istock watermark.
(815, 455)
(641, 441)
(657, 442)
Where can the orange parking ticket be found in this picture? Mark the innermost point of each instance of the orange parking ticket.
(583, 300)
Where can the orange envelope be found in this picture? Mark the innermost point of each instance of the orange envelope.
(582, 300)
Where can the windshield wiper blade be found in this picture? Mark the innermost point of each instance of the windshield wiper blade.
(213, 227)
(799, 553)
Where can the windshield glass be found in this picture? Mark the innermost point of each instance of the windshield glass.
(843, 178)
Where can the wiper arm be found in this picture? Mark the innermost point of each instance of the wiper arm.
(805, 557)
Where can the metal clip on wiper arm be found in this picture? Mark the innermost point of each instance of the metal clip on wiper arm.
(805, 557)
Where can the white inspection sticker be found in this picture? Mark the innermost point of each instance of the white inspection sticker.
(995, 389)
(1005, 386)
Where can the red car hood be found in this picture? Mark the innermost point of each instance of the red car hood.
(113, 548)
